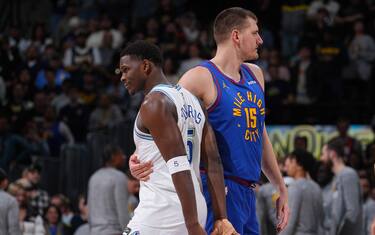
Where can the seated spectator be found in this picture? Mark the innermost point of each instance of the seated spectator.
(62, 99)
(30, 224)
(105, 115)
(56, 132)
(194, 58)
(39, 198)
(76, 114)
(81, 218)
(64, 205)
(54, 65)
(53, 224)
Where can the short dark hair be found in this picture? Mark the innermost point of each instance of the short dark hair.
(144, 50)
(229, 19)
(303, 158)
(109, 151)
(35, 167)
(338, 146)
(3, 175)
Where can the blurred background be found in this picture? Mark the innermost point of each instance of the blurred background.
(61, 102)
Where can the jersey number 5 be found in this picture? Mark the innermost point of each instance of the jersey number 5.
(190, 143)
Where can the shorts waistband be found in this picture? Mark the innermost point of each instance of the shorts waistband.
(243, 182)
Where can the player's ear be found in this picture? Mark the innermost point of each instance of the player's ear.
(147, 66)
(235, 35)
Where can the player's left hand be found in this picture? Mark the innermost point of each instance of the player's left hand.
(223, 227)
(282, 211)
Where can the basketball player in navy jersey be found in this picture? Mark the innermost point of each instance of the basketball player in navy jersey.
(233, 94)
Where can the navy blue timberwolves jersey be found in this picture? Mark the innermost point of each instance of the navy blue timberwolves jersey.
(237, 117)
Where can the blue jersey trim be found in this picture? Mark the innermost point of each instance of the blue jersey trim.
(211, 69)
(247, 69)
(143, 135)
(241, 81)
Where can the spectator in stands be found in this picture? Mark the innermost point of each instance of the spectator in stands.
(89, 93)
(105, 115)
(39, 199)
(41, 103)
(9, 59)
(352, 147)
(53, 225)
(304, 72)
(193, 59)
(277, 95)
(81, 58)
(293, 14)
(330, 59)
(24, 77)
(8, 209)
(108, 197)
(170, 68)
(331, 6)
(30, 224)
(56, 132)
(305, 197)
(82, 217)
(64, 205)
(15, 148)
(346, 198)
(350, 12)
(76, 114)
(361, 53)
(60, 75)
(17, 106)
(61, 100)
(32, 60)
(96, 39)
(106, 49)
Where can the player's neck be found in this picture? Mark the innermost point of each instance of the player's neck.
(228, 62)
(338, 166)
(156, 79)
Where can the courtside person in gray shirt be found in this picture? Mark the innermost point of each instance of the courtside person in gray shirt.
(108, 196)
(346, 208)
(305, 197)
(8, 209)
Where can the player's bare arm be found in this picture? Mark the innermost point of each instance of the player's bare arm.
(158, 116)
(270, 167)
(215, 176)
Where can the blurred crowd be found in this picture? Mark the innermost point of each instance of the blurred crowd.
(58, 80)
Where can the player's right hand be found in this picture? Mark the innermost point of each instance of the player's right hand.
(223, 227)
(196, 230)
(140, 171)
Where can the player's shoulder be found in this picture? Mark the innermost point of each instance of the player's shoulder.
(200, 72)
(198, 81)
(257, 71)
(154, 100)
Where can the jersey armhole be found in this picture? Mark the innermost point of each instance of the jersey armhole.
(214, 104)
(250, 72)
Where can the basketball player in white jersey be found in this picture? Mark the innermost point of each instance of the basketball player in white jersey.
(169, 130)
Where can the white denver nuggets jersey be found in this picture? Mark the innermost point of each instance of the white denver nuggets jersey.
(159, 205)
